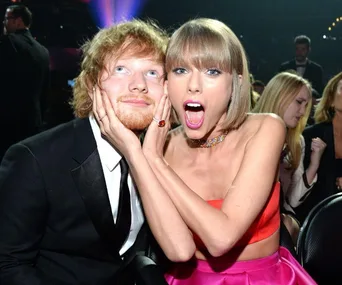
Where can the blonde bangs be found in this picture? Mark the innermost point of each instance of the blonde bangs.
(203, 48)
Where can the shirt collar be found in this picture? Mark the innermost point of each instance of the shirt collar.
(302, 63)
(108, 155)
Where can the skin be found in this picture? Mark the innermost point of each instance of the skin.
(302, 52)
(12, 24)
(134, 86)
(200, 84)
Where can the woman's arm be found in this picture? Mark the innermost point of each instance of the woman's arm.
(221, 229)
(301, 181)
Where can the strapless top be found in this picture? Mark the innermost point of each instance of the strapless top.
(265, 224)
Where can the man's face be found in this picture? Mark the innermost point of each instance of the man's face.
(134, 87)
(10, 23)
(302, 52)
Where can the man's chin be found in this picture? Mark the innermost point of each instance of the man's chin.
(136, 124)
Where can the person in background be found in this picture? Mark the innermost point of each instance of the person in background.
(24, 78)
(289, 96)
(305, 67)
(328, 126)
(258, 86)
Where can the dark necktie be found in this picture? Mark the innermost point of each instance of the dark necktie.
(123, 221)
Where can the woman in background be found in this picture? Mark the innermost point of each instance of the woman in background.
(289, 96)
(328, 126)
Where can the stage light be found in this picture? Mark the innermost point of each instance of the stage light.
(107, 12)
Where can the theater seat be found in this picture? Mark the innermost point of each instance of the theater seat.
(147, 272)
(319, 244)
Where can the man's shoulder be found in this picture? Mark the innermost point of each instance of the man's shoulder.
(290, 64)
(314, 64)
(48, 138)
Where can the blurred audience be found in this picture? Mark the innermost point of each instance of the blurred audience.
(258, 86)
(24, 78)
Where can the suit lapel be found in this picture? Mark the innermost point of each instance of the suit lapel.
(90, 182)
(292, 65)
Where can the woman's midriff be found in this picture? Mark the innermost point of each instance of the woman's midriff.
(255, 250)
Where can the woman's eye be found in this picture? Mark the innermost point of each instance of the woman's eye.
(213, 71)
(179, 70)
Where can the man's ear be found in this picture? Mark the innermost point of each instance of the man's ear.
(165, 87)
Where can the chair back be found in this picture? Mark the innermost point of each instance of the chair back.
(319, 244)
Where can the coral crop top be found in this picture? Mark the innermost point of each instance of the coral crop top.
(265, 224)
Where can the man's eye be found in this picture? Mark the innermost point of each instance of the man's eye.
(120, 69)
(153, 73)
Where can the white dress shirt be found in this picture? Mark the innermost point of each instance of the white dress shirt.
(301, 69)
(110, 159)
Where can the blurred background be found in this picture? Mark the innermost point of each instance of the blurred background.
(267, 28)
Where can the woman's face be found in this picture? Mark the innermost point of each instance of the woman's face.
(200, 98)
(297, 108)
(337, 102)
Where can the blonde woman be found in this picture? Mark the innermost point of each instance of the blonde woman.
(289, 96)
(328, 126)
(211, 193)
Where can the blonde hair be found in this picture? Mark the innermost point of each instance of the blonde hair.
(208, 43)
(324, 109)
(136, 38)
(278, 94)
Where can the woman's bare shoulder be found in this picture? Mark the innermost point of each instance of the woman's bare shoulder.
(264, 121)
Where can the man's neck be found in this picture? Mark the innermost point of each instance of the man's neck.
(302, 62)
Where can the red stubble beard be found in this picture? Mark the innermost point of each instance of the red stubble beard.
(134, 118)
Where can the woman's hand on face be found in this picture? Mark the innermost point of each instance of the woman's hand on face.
(317, 148)
(111, 127)
(156, 134)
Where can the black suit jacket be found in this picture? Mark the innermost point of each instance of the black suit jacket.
(56, 224)
(24, 81)
(313, 73)
(326, 173)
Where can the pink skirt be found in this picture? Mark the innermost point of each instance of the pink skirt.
(280, 268)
